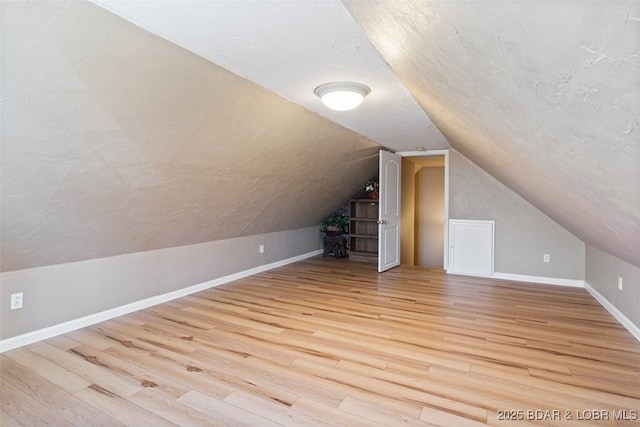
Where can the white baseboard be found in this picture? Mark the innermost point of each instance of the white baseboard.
(92, 319)
(617, 314)
(539, 279)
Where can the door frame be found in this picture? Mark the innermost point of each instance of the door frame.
(445, 153)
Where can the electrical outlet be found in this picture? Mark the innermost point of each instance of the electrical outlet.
(619, 283)
(261, 249)
(546, 258)
(16, 300)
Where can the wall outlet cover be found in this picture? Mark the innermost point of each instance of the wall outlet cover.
(16, 301)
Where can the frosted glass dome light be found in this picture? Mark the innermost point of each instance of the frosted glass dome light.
(342, 96)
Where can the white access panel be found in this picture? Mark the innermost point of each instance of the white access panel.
(471, 247)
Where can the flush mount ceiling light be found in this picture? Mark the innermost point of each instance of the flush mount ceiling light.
(342, 96)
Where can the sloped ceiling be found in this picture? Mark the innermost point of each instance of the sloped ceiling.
(545, 96)
(291, 47)
(115, 140)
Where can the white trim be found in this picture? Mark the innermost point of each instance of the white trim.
(423, 153)
(92, 319)
(539, 279)
(445, 262)
(617, 314)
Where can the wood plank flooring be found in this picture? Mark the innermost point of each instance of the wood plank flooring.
(332, 342)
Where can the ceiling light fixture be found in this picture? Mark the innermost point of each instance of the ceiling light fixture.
(342, 96)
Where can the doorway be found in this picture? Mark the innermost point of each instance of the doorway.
(424, 209)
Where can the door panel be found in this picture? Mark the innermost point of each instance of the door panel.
(389, 211)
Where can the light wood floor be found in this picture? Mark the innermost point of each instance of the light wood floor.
(332, 342)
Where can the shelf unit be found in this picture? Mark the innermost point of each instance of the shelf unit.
(363, 230)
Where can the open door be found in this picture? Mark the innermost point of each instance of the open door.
(389, 211)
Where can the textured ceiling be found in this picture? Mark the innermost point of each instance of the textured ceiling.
(545, 96)
(116, 141)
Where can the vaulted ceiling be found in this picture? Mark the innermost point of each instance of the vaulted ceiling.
(130, 126)
(545, 96)
(116, 141)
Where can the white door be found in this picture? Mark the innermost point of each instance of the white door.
(471, 247)
(389, 211)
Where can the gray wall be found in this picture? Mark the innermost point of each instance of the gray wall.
(65, 292)
(602, 272)
(522, 234)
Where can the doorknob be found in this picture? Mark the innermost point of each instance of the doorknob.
(382, 221)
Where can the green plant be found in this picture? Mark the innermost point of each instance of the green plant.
(339, 219)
